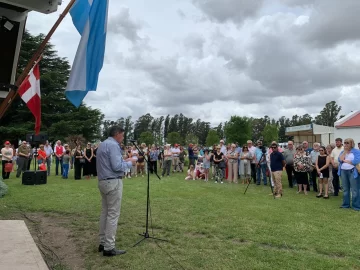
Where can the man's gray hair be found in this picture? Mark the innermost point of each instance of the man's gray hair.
(316, 144)
(115, 130)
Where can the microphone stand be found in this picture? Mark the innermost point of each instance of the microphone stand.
(146, 234)
(272, 190)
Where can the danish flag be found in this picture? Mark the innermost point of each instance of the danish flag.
(29, 91)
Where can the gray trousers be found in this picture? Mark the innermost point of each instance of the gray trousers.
(22, 165)
(167, 167)
(48, 165)
(111, 194)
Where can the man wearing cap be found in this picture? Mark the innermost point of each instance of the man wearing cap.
(277, 164)
(23, 158)
(175, 160)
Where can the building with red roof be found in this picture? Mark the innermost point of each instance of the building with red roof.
(349, 127)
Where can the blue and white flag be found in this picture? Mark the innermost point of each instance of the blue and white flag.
(90, 19)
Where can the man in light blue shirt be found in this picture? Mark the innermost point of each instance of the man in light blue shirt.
(111, 168)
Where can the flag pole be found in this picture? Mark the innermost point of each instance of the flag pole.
(36, 57)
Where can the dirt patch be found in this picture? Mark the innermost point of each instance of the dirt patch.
(56, 241)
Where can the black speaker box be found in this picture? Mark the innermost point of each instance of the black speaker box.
(34, 178)
(41, 178)
(28, 178)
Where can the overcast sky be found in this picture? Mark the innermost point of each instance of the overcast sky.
(211, 59)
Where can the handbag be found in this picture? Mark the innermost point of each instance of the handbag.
(82, 160)
(42, 167)
(8, 167)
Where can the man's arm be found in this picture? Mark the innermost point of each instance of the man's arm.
(117, 162)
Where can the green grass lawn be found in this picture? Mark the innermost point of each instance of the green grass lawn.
(209, 226)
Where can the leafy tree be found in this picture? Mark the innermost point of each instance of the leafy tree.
(142, 125)
(270, 134)
(220, 131)
(146, 137)
(329, 115)
(60, 118)
(173, 137)
(128, 129)
(191, 138)
(166, 126)
(173, 124)
(238, 129)
(212, 138)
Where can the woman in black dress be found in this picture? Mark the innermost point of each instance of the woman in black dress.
(78, 162)
(88, 155)
(93, 161)
(322, 167)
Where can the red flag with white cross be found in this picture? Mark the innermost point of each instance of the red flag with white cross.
(29, 91)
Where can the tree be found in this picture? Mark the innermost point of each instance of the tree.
(142, 125)
(173, 137)
(329, 115)
(238, 129)
(60, 119)
(146, 137)
(270, 134)
(166, 126)
(191, 138)
(220, 131)
(212, 138)
(128, 128)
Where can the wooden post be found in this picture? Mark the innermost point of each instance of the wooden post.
(13, 93)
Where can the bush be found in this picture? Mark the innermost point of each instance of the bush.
(3, 188)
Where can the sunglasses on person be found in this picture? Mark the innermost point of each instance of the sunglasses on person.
(273, 147)
(346, 142)
(321, 150)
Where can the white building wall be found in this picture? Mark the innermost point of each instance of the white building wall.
(344, 133)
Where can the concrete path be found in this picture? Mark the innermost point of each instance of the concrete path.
(18, 250)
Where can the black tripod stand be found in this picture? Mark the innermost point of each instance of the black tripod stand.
(263, 158)
(146, 234)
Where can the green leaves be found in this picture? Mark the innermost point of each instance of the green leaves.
(60, 118)
(238, 129)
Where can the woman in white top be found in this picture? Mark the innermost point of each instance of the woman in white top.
(349, 175)
(7, 155)
(134, 156)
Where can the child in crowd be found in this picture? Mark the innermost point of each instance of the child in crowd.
(190, 173)
(200, 172)
(206, 163)
(66, 164)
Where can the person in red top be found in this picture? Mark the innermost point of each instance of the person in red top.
(41, 155)
(59, 151)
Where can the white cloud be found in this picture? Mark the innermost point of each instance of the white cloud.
(244, 58)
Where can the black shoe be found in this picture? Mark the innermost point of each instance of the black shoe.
(101, 248)
(113, 252)
(319, 196)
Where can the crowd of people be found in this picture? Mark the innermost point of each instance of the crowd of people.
(319, 168)
(18, 160)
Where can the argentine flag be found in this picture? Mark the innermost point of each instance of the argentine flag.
(90, 19)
